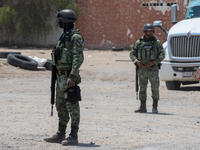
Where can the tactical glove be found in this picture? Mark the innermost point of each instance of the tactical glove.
(70, 82)
(150, 63)
(73, 80)
(139, 63)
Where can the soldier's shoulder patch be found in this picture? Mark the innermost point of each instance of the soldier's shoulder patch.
(79, 43)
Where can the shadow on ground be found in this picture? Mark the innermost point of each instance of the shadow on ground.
(87, 145)
(191, 88)
(159, 113)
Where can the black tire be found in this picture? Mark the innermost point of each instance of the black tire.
(22, 61)
(173, 85)
(47, 65)
(117, 48)
(5, 54)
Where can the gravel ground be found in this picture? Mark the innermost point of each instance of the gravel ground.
(108, 121)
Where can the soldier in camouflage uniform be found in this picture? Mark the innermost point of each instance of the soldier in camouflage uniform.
(147, 53)
(67, 56)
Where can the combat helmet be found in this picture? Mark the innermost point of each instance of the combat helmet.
(148, 27)
(66, 16)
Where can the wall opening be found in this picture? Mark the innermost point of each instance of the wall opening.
(157, 4)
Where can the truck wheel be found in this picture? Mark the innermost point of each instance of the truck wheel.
(173, 85)
(22, 61)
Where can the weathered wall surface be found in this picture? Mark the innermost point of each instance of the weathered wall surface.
(49, 41)
(107, 23)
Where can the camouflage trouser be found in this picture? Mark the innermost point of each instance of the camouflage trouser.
(65, 109)
(150, 74)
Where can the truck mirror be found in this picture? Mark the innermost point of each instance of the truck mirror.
(174, 13)
(157, 23)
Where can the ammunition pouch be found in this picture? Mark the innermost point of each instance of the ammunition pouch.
(66, 56)
(147, 52)
(74, 94)
(63, 72)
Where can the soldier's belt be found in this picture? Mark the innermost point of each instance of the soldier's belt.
(149, 66)
(64, 72)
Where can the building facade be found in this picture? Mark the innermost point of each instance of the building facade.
(108, 23)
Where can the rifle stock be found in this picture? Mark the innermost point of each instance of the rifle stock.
(136, 81)
(53, 81)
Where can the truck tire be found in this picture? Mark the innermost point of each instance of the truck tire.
(118, 48)
(5, 54)
(21, 61)
(173, 85)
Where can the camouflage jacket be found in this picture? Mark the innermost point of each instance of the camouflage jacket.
(71, 56)
(157, 49)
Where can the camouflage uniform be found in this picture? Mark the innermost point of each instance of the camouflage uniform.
(143, 50)
(67, 58)
(71, 58)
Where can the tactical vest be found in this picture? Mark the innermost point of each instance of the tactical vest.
(65, 49)
(147, 50)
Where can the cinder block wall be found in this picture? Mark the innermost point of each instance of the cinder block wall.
(108, 23)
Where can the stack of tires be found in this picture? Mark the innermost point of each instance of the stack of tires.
(24, 62)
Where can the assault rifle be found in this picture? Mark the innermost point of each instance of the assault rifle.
(53, 81)
(56, 56)
(136, 81)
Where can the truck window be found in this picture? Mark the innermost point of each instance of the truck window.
(193, 10)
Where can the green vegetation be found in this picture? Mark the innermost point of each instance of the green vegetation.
(29, 20)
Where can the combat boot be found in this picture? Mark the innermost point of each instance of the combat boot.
(155, 105)
(59, 136)
(142, 108)
(73, 137)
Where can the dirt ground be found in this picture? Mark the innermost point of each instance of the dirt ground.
(108, 121)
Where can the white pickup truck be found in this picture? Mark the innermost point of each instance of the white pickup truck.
(182, 48)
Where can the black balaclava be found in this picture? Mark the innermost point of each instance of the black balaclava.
(68, 26)
(60, 23)
(65, 26)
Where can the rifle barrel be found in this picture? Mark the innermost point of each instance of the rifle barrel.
(136, 81)
(53, 81)
(52, 110)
